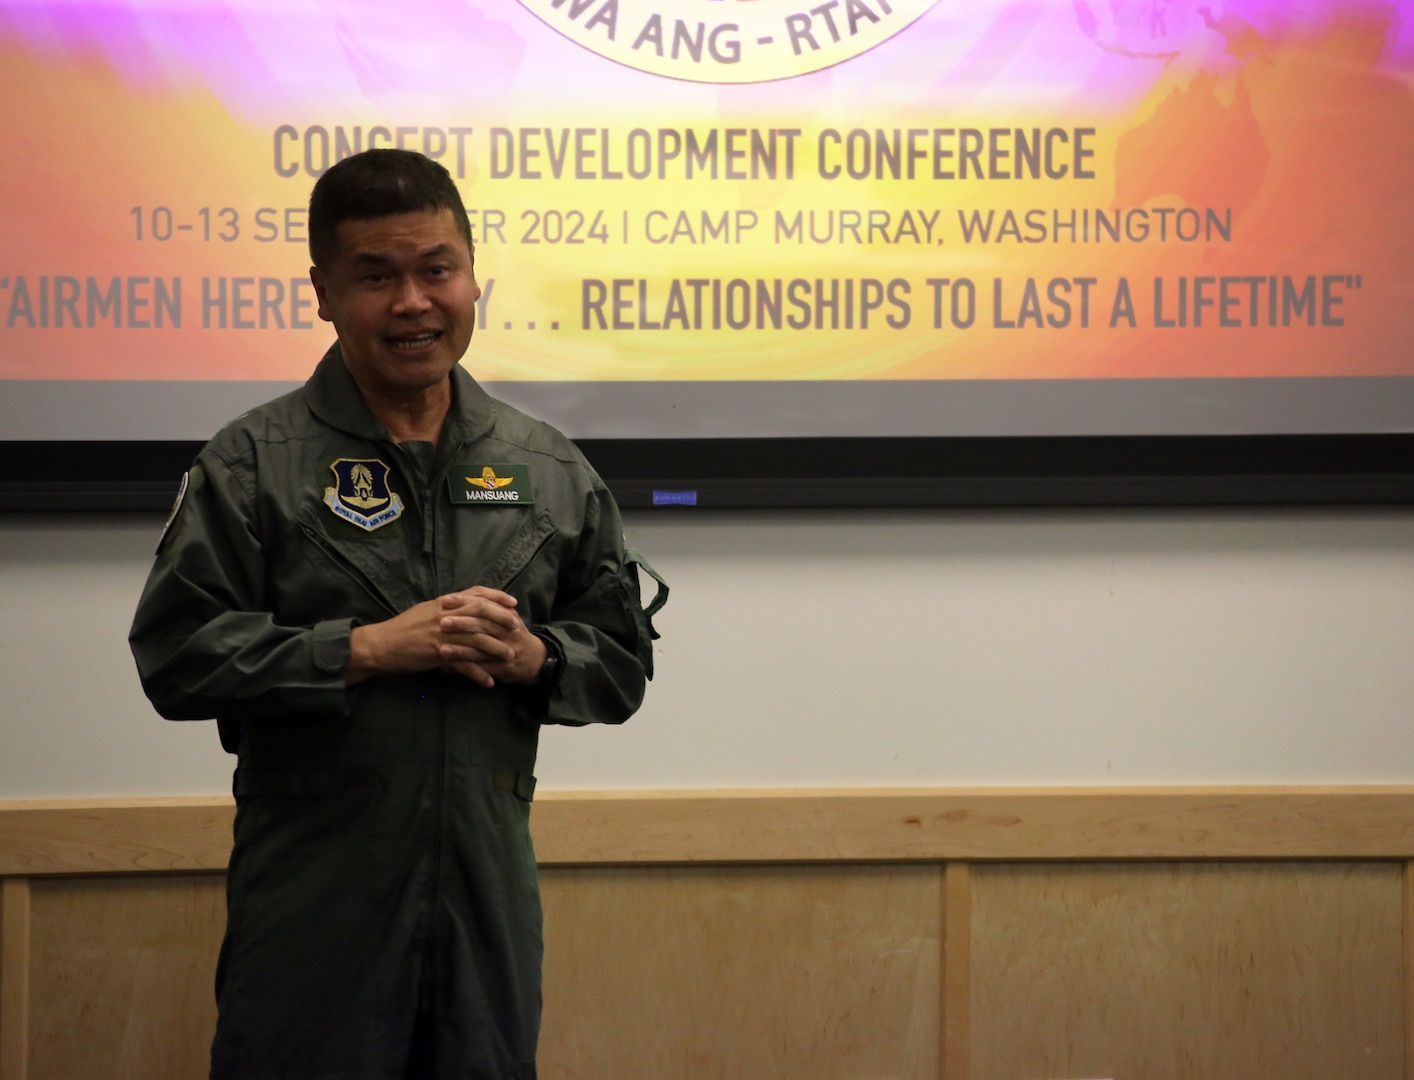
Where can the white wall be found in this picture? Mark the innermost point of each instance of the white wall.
(847, 648)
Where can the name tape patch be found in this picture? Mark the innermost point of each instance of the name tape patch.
(496, 483)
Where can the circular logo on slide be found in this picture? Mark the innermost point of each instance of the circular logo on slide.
(728, 41)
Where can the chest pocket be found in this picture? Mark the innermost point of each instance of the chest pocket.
(520, 552)
(360, 575)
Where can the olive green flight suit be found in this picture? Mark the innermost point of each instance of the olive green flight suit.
(382, 877)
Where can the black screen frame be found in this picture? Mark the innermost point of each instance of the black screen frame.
(997, 471)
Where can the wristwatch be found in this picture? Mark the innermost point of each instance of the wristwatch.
(554, 665)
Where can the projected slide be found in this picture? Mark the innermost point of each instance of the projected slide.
(733, 216)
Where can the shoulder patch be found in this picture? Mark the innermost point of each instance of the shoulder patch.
(360, 494)
(176, 506)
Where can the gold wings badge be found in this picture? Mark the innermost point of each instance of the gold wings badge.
(489, 480)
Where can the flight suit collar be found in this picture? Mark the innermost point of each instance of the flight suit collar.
(333, 397)
(472, 414)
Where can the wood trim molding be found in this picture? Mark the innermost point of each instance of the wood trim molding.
(114, 836)
(975, 824)
(14, 978)
(876, 825)
(956, 1027)
(1408, 927)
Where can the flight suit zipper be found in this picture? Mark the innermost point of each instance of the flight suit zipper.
(429, 555)
(429, 548)
(420, 491)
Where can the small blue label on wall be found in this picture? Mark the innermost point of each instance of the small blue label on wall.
(674, 498)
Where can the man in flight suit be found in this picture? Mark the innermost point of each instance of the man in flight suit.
(381, 585)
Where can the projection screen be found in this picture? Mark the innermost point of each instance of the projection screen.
(708, 230)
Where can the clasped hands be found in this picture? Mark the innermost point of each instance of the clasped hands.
(475, 633)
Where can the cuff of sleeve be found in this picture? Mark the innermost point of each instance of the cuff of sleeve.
(332, 645)
(537, 701)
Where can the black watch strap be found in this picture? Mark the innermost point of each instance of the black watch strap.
(554, 665)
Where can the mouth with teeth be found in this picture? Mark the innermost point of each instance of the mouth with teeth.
(414, 342)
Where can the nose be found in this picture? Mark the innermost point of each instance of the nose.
(409, 297)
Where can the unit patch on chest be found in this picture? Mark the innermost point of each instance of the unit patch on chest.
(360, 495)
(498, 482)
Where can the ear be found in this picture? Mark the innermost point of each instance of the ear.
(321, 290)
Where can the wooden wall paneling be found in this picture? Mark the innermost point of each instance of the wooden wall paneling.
(122, 978)
(14, 978)
(726, 964)
(719, 973)
(957, 972)
(1188, 971)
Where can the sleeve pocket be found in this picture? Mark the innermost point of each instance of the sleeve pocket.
(642, 618)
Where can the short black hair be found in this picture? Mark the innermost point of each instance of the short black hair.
(374, 184)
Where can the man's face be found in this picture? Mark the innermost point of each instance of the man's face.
(402, 297)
